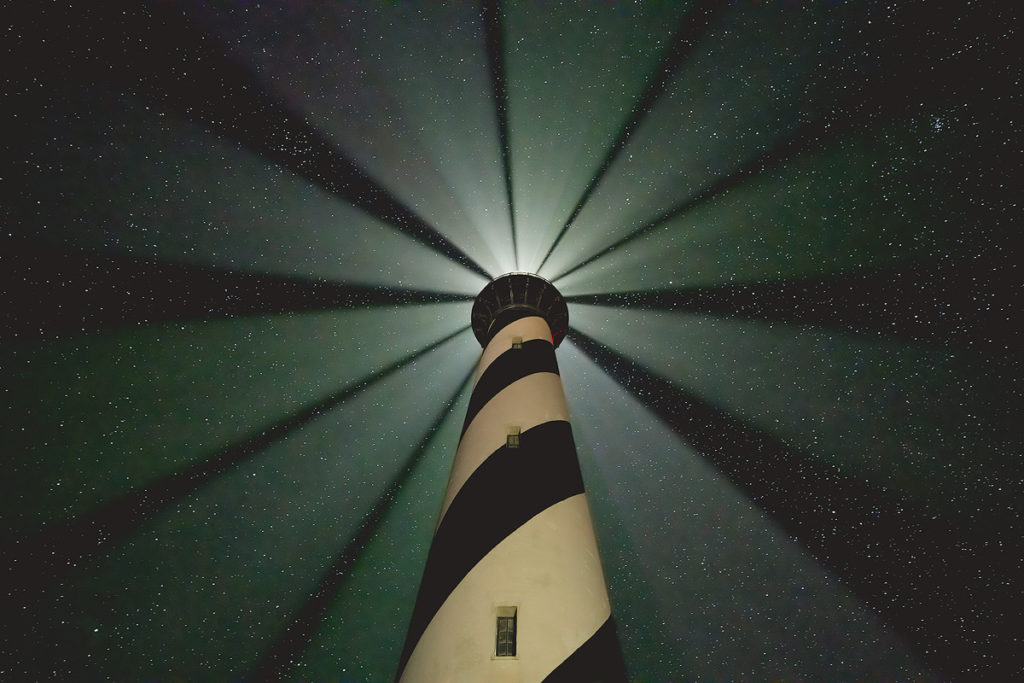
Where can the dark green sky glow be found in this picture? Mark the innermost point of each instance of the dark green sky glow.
(785, 231)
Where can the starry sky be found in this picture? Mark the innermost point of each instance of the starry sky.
(240, 246)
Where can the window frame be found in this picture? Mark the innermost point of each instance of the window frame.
(507, 617)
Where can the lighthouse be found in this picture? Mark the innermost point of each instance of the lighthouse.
(513, 588)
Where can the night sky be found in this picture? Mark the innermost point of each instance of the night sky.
(239, 249)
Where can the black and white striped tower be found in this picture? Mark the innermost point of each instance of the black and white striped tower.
(513, 588)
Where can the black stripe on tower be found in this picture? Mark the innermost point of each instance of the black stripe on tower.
(595, 661)
(542, 471)
(537, 355)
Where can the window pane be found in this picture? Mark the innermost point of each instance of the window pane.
(506, 640)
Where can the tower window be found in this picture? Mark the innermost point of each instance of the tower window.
(512, 439)
(505, 645)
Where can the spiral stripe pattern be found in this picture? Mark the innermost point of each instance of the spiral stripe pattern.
(515, 535)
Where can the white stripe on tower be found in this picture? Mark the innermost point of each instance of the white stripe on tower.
(513, 588)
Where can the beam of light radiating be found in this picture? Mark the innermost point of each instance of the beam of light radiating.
(267, 529)
(735, 573)
(756, 74)
(572, 70)
(382, 585)
(145, 402)
(41, 561)
(881, 536)
(690, 32)
(630, 587)
(131, 179)
(875, 409)
(965, 304)
(58, 292)
(490, 11)
(896, 85)
(279, 659)
(420, 117)
(844, 207)
(402, 93)
(154, 52)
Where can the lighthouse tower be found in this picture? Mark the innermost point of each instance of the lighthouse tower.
(513, 588)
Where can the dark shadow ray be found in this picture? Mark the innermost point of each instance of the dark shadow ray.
(962, 303)
(896, 83)
(53, 291)
(292, 641)
(690, 31)
(927, 577)
(806, 138)
(153, 51)
(624, 566)
(39, 562)
(490, 10)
